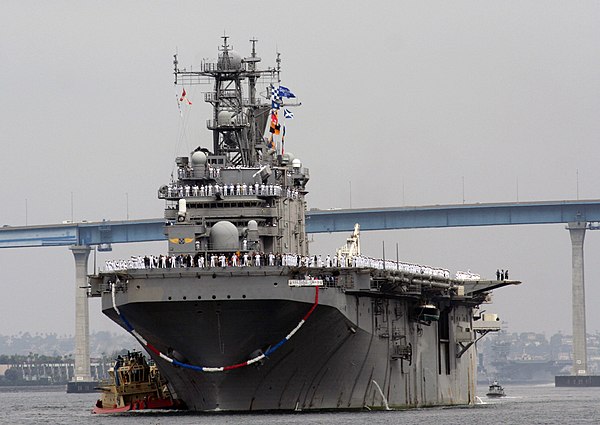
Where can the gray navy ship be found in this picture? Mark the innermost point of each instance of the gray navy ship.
(239, 316)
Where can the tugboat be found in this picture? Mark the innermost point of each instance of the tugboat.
(134, 384)
(495, 390)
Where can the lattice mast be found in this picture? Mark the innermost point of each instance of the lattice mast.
(238, 122)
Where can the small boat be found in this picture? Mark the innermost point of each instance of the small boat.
(495, 390)
(134, 384)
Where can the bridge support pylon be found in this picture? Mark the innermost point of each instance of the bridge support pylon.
(82, 379)
(577, 233)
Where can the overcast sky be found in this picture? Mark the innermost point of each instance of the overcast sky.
(402, 102)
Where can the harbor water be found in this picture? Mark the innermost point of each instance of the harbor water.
(524, 404)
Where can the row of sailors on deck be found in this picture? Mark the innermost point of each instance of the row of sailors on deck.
(259, 259)
(174, 189)
(213, 172)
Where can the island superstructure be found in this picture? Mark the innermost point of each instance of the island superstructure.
(239, 316)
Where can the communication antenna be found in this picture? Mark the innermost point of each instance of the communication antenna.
(278, 67)
(225, 46)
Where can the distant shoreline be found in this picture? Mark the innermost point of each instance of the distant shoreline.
(30, 387)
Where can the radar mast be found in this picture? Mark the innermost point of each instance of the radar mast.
(238, 122)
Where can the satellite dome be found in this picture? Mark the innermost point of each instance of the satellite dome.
(253, 231)
(296, 163)
(232, 62)
(225, 118)
(198, 158)
(287, 158)
(224, 236)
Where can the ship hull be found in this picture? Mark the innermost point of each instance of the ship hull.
(343, 357)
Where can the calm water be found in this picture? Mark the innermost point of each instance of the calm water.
(542, 404)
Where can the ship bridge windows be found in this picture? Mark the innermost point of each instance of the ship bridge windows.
(216, 160)
(226, 204)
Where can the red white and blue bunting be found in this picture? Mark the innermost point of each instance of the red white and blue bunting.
(175, 362)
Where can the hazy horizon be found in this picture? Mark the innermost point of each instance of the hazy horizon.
(406, 103)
